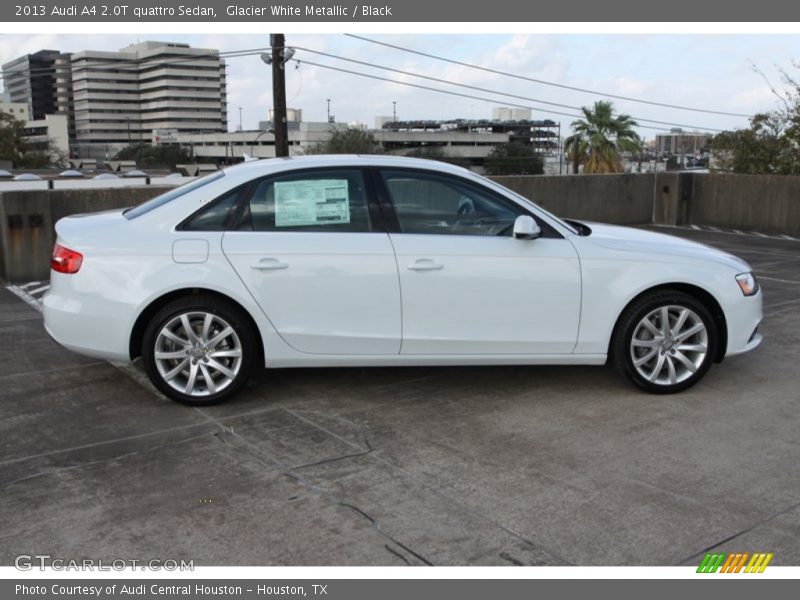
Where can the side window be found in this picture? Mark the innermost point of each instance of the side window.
(428, 203)
(215, 216)
(329, 200)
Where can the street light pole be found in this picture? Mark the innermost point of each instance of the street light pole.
(280, 125)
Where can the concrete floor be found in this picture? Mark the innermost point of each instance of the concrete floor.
(447, 466)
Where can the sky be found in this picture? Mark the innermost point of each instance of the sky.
(707, 71)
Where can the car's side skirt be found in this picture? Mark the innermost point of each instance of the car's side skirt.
(420, 360)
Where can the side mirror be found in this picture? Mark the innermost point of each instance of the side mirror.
(526, 228)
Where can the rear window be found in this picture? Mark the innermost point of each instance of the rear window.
(171, 195)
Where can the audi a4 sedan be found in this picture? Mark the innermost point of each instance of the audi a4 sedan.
(343, 261)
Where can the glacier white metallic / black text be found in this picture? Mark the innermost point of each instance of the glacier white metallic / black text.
(333, 261)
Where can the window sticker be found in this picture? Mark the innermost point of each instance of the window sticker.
(311, 202)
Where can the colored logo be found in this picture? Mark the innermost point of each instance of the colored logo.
(735, 562)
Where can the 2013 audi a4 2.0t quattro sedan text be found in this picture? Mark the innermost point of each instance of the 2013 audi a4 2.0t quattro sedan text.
(366, 260)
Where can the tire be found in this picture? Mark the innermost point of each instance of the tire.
(211, 362)
(665, 360)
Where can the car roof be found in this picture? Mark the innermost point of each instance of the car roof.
(272, 165)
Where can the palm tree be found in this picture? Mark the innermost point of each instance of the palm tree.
(600, 137)
(576, 148)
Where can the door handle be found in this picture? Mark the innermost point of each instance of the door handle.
(425, 264)
(270, 264)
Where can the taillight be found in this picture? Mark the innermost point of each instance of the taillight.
(65, 260)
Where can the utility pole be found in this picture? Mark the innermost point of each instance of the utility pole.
(329, 110)
(277, 42)
(240, 118)
(394, 111)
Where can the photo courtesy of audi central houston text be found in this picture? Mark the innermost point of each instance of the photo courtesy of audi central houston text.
(377, 298)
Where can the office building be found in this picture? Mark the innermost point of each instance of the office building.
(504, 113)
(16, 110)
(122, 97)
(41, 81)
(678, 142)
(112, 99)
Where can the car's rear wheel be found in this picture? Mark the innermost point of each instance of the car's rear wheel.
(665, 341)
(199, 350)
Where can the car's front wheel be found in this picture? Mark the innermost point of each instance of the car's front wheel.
(665, 341)
(199, 350)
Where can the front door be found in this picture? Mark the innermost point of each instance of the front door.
(467, 285)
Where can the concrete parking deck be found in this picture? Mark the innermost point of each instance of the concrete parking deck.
(444, 466)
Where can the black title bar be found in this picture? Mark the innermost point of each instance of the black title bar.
(458, 11)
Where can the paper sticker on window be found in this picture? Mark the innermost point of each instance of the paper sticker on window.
(311, 202)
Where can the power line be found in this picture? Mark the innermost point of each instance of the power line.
(118, 65)
(486, 90)
(544, 82)
(450, 92)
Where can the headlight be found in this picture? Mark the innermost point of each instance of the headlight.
(747, 283)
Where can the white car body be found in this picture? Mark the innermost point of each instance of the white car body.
(323, 299)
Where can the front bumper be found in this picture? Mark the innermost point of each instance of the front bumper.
(743, 318)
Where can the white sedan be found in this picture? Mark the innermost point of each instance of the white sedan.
(342, 261)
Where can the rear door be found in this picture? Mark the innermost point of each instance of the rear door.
(311, 248)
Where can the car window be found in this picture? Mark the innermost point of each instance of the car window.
(215, 216)
(429, 203)
(329, 200)
(171, 195)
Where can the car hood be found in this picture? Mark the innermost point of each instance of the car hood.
(642, 241)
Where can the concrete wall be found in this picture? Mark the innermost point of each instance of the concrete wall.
(622, 199)
(746, 202)
(767, 203)
(27, 220)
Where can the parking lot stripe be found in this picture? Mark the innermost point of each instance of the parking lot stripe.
(780, 280)
(103, 443)
(25, 297)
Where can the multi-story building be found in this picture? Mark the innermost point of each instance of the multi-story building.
(16, 110)
(505, 113)
(41, 81)
(113, 99)
(122, 97)
(680, 142)
(51, 135)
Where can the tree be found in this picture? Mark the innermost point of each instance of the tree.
(600, 138)
(513, 159)
(12, 141)
(766, 148)
(14, 146)
(348, 141)
(576, 148)
(433, 153)
(771, 145)
(164, 156)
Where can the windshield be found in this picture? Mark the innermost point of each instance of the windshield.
(171, 195)
(559, 220)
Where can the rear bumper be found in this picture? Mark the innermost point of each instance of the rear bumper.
(84, 324)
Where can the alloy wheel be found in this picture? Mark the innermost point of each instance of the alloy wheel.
(198, 353)
(669, 345)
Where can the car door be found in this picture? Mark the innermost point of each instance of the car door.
(467, 285)
(321, 266)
